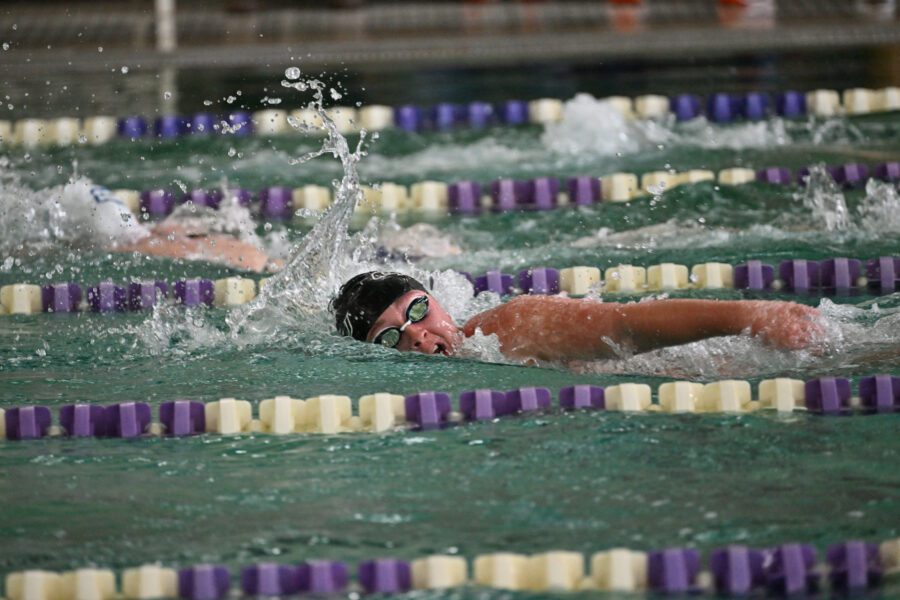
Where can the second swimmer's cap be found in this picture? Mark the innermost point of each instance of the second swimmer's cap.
(362, 299)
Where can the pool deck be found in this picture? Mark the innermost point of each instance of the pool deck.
(216, 34)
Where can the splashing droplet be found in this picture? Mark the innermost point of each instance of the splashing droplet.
(824, 198)
(124, 70)
(292, 73)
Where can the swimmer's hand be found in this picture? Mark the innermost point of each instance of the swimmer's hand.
(784, 325)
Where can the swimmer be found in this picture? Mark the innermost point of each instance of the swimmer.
(188, 233)
(396, 311)
(172, 240)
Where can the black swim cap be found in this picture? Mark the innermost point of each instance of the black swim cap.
(363, 298)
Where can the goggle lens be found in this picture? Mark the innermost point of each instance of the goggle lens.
(417, 310)
(389, 338)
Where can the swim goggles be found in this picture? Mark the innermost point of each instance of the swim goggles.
(415, 312)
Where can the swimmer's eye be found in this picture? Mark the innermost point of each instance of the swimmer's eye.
(389, 338)
(418, 309)
(415, 312)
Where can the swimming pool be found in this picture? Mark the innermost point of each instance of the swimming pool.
(580, 481)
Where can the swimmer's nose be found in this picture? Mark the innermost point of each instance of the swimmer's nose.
(420, 338)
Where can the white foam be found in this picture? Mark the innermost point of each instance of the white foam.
(594, 127)
(879, 211)
(421, 240)
(825, 200)
(440, 157)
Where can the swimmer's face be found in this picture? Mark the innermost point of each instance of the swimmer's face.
(436, 333)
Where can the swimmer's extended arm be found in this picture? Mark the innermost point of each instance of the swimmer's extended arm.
(216, 248)
(556, 328)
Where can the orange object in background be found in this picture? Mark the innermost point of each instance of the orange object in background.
(626, 15)
(747, 14)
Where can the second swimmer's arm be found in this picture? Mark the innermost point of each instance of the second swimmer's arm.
(216, 248)
(556, 328)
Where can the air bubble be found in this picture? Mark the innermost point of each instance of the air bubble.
(292, 73)
(6, 45)
(124, 70)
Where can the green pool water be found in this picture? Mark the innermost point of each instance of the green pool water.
(582, 481)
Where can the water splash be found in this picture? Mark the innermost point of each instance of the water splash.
(880, 209)
(421, 240)
(297, 297)
(442, 159)
(825, 200)
(878, 212)
(834, 131)
(230, 218)
(735, 356)
(77, 214)
(762, 134)
(596, 127)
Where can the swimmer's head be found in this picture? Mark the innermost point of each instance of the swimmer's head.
(396, 311)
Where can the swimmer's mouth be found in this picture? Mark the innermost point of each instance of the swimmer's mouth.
(441, 349)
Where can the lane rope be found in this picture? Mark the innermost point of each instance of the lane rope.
(839, 276)
(468, 198)
(379, 412)
(790, 569)
(721, 107)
